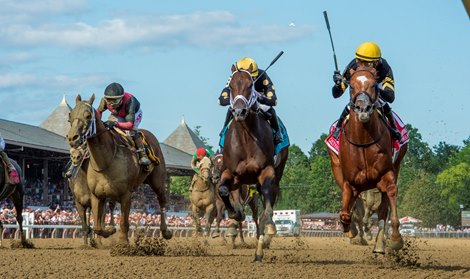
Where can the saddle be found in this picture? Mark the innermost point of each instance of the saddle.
(128, 141)
(11, 175)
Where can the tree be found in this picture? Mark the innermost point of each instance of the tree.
(324, 194)
(197, 131)
(294, 183)
(455, 183)
(319, 148)
(423, 200)
(179, 185)
(419, 154)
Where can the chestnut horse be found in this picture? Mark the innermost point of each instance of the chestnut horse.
(365, 157)
(15, 193)
(245, 197)
(249, 155)
(81, 193)
(113, 171)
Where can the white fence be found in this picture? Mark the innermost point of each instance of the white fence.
(75, 231)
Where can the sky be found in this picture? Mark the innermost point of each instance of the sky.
(175, 57)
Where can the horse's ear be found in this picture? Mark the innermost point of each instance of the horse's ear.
(234, 69)
(78, 99)
(351, 71)
(92, 99)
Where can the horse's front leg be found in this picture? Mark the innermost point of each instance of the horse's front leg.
(85, 227)
(225, 188)
(388, 183)
(124, 225)
(347, 201)
(209, 216)
(266, 180)
(98, 210)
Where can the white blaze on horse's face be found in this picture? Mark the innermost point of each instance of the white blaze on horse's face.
(362, 79)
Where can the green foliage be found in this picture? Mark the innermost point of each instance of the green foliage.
(422, 200)
(197, 131)
(179, 185)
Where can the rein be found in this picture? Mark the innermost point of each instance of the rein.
(92, 133)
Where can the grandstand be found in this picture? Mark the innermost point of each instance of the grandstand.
(43, 152)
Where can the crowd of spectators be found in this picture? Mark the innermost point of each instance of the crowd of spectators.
(55, 215)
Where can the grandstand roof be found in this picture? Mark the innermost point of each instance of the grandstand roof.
(177, 161)
(57, 121)
(32, 136)
(183, 138)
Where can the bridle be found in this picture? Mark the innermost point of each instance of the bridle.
(253, 93)
(363, 96)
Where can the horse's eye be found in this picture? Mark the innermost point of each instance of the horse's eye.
(87, 115)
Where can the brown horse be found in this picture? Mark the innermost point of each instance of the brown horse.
(249, 155)
(82, 195)
(245, 195)
(114, 171)
(365, 158)
(15, 193)
(202, 198)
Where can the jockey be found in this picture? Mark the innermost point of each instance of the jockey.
(267, 98)
(201, 164)
(368, 54)
(12, 177)
(125, 114)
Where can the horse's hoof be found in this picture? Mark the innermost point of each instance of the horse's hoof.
(396, 244)
(270, 229)
(349, 234)
(215, 235)
(379, 251)
(258, 259)
(167, 234)
(231, 231)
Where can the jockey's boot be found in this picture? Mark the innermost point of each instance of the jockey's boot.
(143, 159)
(228, 117)
(396, 135)
(12, 177)
(339, 124)
(275, 126)
(69, 170)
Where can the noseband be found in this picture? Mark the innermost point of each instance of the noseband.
(253, 94)
(91, 126)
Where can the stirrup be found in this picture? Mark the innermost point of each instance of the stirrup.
(336, 132)
(144, 161)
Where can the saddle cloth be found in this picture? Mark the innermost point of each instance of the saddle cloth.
(129, 142)
(334, 144)
(278, 148)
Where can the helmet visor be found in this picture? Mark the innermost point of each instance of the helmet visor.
(113, 101)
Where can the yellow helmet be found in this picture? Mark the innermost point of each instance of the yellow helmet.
(245, 63)
(368, 51)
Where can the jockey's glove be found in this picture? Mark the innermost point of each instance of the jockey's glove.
(337, 78)
(110, 124)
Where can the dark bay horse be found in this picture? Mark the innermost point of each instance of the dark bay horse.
(249, 155)
(245, 196)
(114, 171)
(82, 195)
(365, 158)
(15, 193)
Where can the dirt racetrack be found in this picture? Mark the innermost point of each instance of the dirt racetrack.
(287, 258)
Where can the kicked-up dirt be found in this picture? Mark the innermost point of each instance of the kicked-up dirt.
(196, 258)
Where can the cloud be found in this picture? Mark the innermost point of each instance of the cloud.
(41, 7)
(201, 29)
(18, 82)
